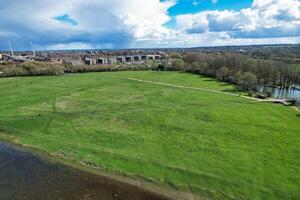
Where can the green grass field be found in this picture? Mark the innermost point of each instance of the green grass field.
(216, 145)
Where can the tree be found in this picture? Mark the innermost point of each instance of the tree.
(175, 55)
(222, 73)
(178, 64)
(248, 81)
(191, 57)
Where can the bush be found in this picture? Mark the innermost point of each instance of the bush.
(31, 69)
(251, 93)
(293, 102)
(260, 96)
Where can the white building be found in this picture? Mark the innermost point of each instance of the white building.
(121, 59)
(102, 61)
(90, 61)
(112, 60)
(74, 62)
(129, 58)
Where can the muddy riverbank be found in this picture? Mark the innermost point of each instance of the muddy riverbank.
(25, 176)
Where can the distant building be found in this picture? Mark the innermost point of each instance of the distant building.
(74, 62)
(144, 57)
(20, 58)
(129, 58)
(1, 57)
(112, 60)
(157, 57)
(137, 58)
(151, 57)
(121, 59)
(90, 61)
(101, 61)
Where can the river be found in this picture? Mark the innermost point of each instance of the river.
(24, 176)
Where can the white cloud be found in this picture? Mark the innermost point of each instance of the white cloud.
(113, 23)
(66, 46)
(264, 17)
(140, 23)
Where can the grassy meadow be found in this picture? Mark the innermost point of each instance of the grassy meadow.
(212, 144)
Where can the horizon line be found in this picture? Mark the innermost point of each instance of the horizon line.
(152, 48)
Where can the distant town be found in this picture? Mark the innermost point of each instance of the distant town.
(81, 57)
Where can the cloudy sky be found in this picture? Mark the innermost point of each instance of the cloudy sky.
(86, 24)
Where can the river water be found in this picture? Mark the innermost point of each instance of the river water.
(24, 176)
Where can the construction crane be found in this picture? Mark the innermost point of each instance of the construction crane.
(33, 50)
(17, 57)
(11, 50)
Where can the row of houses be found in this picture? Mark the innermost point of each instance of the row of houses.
(114, 60)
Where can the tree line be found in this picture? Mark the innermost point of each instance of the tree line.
(11, 69)
(238, 69)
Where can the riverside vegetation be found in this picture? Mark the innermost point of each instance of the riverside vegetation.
(204, 141)
(236, 68)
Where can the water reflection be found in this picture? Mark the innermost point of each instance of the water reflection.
(279, 93)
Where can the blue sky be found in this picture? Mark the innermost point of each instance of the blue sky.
(85, 24)
(66, 19)
(195, 6)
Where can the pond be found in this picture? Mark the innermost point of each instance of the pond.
(279, 93)
(25, 176)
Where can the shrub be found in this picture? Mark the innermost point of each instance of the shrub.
(293, 102)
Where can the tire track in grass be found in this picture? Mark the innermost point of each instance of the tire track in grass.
(165, 133)
(48, 124)
(163, 136)
(181, 173)
(149, 104)
(165, 130)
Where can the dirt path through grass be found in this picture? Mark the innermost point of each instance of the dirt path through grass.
(208, 90)
(173, 85)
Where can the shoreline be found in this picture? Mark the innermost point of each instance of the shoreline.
(144, 185)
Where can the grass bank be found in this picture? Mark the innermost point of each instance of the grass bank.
(212, 144)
